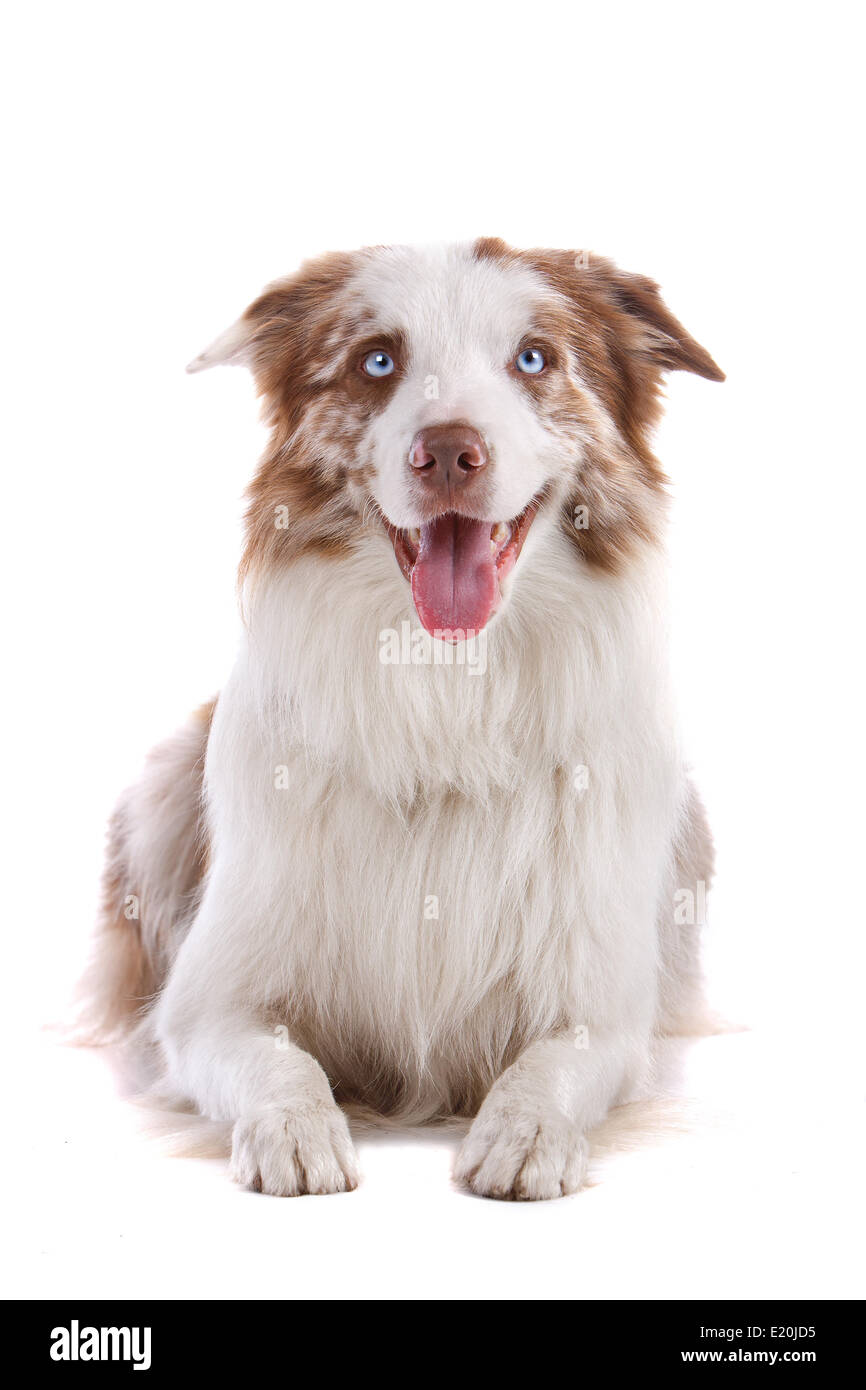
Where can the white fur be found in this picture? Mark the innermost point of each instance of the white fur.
(548, 896)
(465, 320)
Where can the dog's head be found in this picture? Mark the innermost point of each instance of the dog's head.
(460, 400)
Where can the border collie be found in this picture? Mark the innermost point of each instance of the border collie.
(422, 854)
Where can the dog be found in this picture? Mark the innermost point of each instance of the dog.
(422, 853)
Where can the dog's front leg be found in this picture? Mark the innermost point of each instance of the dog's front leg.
(528, 1139)
(289, 1135)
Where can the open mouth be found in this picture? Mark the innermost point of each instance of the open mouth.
(456, 566)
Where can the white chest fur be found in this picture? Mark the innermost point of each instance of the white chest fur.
(434, 865)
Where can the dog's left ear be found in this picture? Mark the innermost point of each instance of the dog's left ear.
(653, 332)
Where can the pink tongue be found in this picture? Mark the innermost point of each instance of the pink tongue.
(454, 578)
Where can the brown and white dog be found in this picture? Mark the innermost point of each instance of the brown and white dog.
(422, 853)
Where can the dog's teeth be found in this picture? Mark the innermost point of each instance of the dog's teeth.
(500, 532)
(414, 535)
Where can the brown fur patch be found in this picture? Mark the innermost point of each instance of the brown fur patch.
(308, 338)
(145, 902)
(622, 337)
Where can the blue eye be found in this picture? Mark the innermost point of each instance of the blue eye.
(530, 361)
(378, 364)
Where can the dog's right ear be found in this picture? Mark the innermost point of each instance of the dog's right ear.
(237, 345)
(286, 307)
(229, 348)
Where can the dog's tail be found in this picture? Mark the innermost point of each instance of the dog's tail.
(157, 855)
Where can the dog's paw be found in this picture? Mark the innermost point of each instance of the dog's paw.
(287, 1153)
(522, 1157)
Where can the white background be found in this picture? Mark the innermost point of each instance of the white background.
(162, 163)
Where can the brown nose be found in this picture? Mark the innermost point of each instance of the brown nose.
(445, 458)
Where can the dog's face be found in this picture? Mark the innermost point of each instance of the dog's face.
(451, 398)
